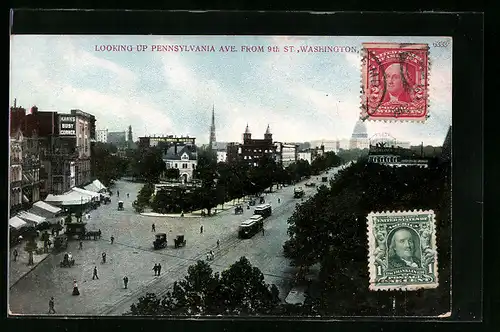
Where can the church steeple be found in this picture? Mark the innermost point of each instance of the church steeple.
(268, 134)
(247, 134)
(212, 142)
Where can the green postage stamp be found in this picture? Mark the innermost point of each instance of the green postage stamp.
(402, 250)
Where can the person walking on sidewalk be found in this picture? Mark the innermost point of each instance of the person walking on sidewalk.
(159, 269)
(201, 229)
(15, 254)
(262, 230)
(218, 243)
(125, 281)
(279, 200)
(94, 275)
(51, 306)
(153, 228)
(81, 245)
(112, 239)
(155, 268)
(103, 257)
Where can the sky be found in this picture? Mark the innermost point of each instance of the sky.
(301, 96)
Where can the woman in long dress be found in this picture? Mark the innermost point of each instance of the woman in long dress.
(75, 288)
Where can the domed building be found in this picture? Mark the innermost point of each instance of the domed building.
(359, 138)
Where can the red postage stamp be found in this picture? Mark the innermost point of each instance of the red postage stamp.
(394, 82)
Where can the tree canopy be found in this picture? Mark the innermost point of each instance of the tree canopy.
(330, 228)
(239, 290)
(105, 164)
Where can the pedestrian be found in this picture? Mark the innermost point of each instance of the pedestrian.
(51, 306)
(262, 230)
(103, 258)
(81, 245)
(15, 253)
(201, 229)
(128, 197)
(155, 268)
(208, 256)
(159, 269)
(153, 228)
(218, 243)
(75, 288)
(99, 233)
(112, 239)
(118, 193)
(94, 275)
(53, 231)
(212, 255)
(125, 281)
(279, 200)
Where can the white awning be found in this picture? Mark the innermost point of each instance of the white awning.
(92, 194)
(91, 187)
(31, 217)
(99, 185)
(47, 207)
(16, 222)
(69, 198)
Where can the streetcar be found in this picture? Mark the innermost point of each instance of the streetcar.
(251, 226)
(263, 210)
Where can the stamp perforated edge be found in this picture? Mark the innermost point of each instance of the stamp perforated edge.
(364, 116)
(371, 246)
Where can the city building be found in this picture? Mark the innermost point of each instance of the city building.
(16, 171)
(150, 141)
(252, 150)
(329, 145)
(359, 138)
(221, 156)
(117, 138)
(305, 155)
(182, 157)
(395, 156)
(286, 153)
(64, 146)
(31, 168)
(102, 135)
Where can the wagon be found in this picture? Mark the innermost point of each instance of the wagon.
(120, 205)
(161, 241)
(68, 261)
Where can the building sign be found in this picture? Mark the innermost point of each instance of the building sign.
(67, 125)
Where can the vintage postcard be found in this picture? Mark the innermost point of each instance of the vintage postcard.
(230, 175)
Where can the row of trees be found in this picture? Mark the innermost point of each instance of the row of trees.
(105, 164)
(239, 290)
(330, 228)
(222, 182)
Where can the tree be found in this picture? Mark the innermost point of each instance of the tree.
(105, 164)
(330, 228)
(239, 290)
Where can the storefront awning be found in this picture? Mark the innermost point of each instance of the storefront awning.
(16, 222)
(69, 198)
(91, 187)
(92, 194)
(31, 217)
(47, 207)
(99, 185)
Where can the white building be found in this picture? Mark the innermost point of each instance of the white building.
(305, 155)
(221, 156)
(359, 138)
(102, 135)
(184, 158)
(286, 153)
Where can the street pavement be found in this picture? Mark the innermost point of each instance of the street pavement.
(132, 255)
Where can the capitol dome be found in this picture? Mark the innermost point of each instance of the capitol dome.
(360, 130)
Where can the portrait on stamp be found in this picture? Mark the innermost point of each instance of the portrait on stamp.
(402, 250)
(395, 82)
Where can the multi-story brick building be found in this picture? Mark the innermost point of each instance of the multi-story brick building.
(63, 141)
(16, 171)
(252, 150)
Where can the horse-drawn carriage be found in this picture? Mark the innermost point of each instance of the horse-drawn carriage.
(92, 234)
(179, 241)
(68, 260)
(76, 228)
(120, 205)
(238, 209)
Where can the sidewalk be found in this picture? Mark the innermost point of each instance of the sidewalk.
(19, 268)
